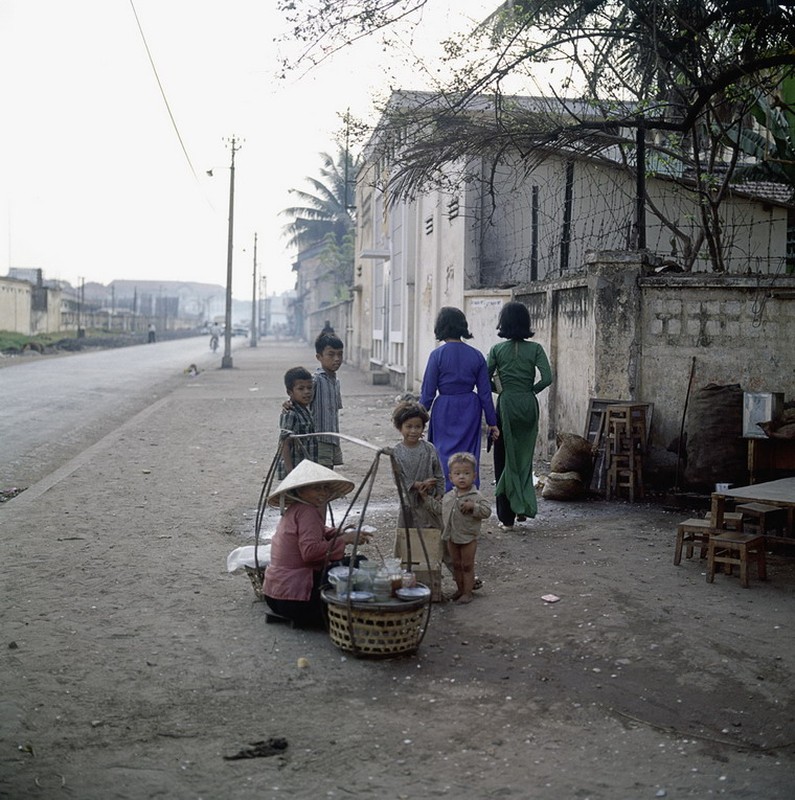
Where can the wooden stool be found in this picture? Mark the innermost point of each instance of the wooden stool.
(732, 520)
(762, 517)
(731, 548)
(693, 532)
(626, 433)
(272, 618)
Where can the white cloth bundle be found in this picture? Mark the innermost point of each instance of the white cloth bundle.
(238, 560)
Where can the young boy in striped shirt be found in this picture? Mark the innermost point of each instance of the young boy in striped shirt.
(327, 399)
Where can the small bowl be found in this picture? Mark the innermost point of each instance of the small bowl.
(417, 592)
(357, 597)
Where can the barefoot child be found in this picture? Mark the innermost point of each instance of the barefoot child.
(419, 468)
(463, 510)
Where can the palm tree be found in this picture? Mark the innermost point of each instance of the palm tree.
(328, 209)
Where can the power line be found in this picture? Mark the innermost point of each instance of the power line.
(162, 92)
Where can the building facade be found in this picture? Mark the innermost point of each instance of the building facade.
(541, 234)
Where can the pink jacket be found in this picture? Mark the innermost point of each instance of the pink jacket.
(299, 548)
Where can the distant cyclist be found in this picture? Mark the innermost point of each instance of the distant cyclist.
(215, 336)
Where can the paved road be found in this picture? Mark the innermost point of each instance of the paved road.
(53, 408)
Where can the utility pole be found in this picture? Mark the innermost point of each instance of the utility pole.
(226, 361)
(640, 185)
(254, 318)
(80, 332)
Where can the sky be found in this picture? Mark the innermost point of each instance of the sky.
(96, 184)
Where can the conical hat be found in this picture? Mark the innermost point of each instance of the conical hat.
(305, 474)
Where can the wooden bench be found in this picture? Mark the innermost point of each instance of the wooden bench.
(762, 517)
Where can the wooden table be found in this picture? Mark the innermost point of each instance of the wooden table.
(779, 493)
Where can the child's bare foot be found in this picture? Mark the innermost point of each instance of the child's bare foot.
(464, 598)
(456, 596)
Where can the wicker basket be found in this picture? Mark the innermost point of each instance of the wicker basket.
(376, 630)
(256, 576)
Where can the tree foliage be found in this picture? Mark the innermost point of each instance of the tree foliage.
(326, 217)
(665, 65)
(770, 145)
(686, 73)
(327, 208)
(338, 259)
(326, 26)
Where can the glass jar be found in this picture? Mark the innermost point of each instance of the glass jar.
(409, 580)
(395, 572)
(366, 576)
(382, 586)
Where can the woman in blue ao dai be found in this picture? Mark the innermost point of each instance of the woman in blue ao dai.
(456, 391)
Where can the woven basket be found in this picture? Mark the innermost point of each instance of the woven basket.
(256, 577)
(376, 630)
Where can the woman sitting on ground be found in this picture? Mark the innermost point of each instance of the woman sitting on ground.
(303, 544)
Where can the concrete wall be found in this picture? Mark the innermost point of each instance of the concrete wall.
(738, 329)
(339, 315)
(46, 310)
(562, 315)
(618, 332)
(15, 306)
(562, 319)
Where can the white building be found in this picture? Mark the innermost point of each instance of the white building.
(497, 227)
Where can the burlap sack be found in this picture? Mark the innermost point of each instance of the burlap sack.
(716, 451)
(563, 486)
(574, 454)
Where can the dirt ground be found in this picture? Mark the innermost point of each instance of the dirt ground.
(135, 666)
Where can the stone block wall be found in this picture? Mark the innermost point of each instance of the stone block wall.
(619, 331)
(739, 331)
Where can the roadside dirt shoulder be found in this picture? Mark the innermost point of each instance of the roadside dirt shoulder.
(134, 665)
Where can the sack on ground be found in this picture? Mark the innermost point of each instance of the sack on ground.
(563, 486)
(574, 454)
(716, 451)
